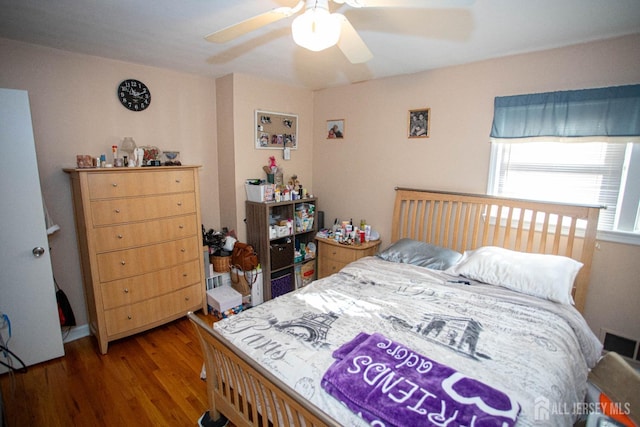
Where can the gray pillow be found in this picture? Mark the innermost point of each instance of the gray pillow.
(423, 254)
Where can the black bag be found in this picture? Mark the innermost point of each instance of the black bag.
(244, 257)
(65, 313)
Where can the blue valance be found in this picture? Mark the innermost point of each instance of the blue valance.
(606, 112)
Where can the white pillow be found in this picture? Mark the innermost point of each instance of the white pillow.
(544, 276)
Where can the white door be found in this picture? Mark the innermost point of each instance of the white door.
(27, 291)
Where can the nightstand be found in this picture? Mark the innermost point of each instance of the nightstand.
(333, 256)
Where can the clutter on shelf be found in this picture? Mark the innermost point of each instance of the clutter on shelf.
(220, 245)
(130, 155)
(273, 189)
(348, 234)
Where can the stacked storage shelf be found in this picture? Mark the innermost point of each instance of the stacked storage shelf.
(283, 234)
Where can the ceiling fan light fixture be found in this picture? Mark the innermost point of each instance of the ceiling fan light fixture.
(316, 29)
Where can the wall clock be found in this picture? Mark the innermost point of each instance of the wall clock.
(134, 95)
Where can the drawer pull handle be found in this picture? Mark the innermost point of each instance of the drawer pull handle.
(119, 236)
(186, 298)
(126, 290)
(184, 274)
(177, 180)
(179, 203)
(117, 210)
(334, 252)
(122, 262)
(183, 250)
(129, 317)
(181, 226)
(115, 184)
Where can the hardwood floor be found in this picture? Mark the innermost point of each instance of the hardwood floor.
(150, 379)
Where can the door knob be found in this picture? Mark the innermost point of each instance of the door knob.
(38, 251)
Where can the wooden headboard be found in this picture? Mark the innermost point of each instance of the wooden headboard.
(467, 221)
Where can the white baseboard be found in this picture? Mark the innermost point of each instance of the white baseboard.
(77, 332)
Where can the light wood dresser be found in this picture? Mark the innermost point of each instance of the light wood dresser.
(333, 256)
(140, 244)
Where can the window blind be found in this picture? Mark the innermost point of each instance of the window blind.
(581, 173)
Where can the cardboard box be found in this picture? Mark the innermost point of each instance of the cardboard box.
(223, 298)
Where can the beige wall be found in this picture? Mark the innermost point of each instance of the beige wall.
(248, 94)
(355, 177)
(75, 111)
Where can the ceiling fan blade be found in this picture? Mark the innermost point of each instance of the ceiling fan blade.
(236, 30)
(428, 4)
(351, 44)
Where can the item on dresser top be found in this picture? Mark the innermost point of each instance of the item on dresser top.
(128, 146)
(138, 155)
(171, 158)
(84, 161)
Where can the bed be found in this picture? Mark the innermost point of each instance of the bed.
(527, 341)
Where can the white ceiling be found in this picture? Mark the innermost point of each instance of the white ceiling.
(169, 34)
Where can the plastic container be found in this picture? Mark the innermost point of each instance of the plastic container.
(259, 193)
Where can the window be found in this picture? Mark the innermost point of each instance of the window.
(576, 146)
(594, 173)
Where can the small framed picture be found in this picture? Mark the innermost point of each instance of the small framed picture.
(419, 123)
(335, 129)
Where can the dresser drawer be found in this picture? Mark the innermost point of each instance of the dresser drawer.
(124, 236)
(333, 257)
(123, 319)
(134, 289)
(337, 253)
(145, 259)
(327, 267)
(127, 184)
(118, 211)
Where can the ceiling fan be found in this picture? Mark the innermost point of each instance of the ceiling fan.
(317, 28)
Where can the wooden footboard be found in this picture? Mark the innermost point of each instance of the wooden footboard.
(246, 393)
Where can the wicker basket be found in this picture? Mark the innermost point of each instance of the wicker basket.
(220, 263)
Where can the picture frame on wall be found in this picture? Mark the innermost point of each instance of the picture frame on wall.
(418, 126)
(276, 130)
(335, 129)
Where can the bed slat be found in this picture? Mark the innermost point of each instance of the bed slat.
(232, 377)
(500, 222)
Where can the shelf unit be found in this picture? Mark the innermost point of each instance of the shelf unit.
(276, 253)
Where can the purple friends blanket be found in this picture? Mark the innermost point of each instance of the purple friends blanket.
(387, 384)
